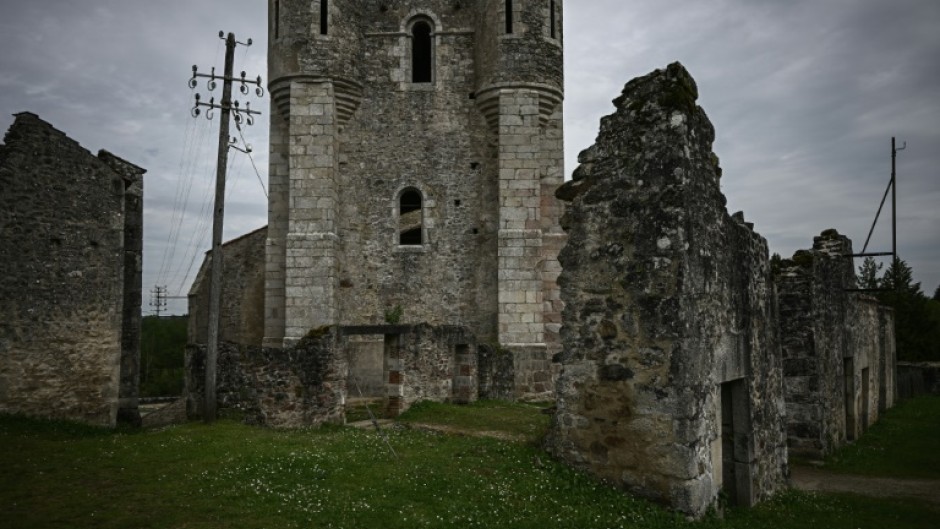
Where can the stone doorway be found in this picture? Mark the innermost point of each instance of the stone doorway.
(735, 443)
(850, 410)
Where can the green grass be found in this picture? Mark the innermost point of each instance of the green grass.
(233, 476)
(905, 442)
(518, 419)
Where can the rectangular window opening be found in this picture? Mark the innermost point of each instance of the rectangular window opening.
(277, 18)
(508, 17)
(324, 16)
(551, 15)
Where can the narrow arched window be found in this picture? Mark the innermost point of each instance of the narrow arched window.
(277, 18)
(410, 219)
(324, 16)
(421, 52)
(508, 16)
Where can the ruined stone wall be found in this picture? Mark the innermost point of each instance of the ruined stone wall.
(241, 314)
(67, 321)
(298, 386)
(671, 383)
(308, 383)
(133, 285)
(837, 347)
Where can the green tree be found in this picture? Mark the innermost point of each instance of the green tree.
(162, 350)
(936, 294)
(868, 273)
(916, 330)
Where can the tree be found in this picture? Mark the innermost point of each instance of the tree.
(936, 294)
(916, 330)
(868, 274)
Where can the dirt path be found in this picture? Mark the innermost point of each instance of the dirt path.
(810, 478)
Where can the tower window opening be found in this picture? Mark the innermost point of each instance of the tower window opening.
(508, 16)
(410, 219)
(552, 18)
(324, 16)
(421, 53)
(277, 18)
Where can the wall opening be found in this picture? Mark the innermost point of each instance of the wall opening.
(508, 16)
(849, 388)
(735, 435)
(324, 16)
(463, 383)
(410, 218)
(553, 19)
(421, 52)
(866, 398)
(277, 18)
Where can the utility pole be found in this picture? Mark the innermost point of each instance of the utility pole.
(158, 299)
(215, 282)
(893, 189)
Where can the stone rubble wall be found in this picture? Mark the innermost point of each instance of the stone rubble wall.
(70, 244)
(666, 297)
(307, 384)
(304, 385)
(827, 328)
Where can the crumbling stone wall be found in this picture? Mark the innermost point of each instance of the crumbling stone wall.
(671, 382)
(837, 347)
(70, 247)
(307, 384)
(241, 318)
(304, 385)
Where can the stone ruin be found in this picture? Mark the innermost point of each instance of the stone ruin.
(837, 347)
(308, 384)
(671, 383)
(71, 234)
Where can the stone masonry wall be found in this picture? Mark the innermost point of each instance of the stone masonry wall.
(671, 384)
(241, 315)
(298, 386)
(837, 348)
(481, 143)
(67, 322)
(306, 384)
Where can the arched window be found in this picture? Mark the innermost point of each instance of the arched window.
(410, 218)
(421, 52)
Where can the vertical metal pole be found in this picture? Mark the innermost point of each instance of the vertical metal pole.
(215, 282)
(894, 205)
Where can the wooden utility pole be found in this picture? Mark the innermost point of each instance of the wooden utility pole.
(215, 278)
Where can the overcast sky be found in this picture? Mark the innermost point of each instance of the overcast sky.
(805, 96)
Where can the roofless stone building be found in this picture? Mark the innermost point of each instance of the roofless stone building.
(71, 239)
(671, 383)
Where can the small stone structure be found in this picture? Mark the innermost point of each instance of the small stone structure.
(671, 381)
(307, 384)
(70, 292)
(837, 345)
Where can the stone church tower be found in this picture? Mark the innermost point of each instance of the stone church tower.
(415, 149)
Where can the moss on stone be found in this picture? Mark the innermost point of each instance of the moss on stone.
(831, 234)
(803, 258)
(317, 332)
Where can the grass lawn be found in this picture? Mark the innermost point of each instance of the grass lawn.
(905, 442)
(233, 476)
